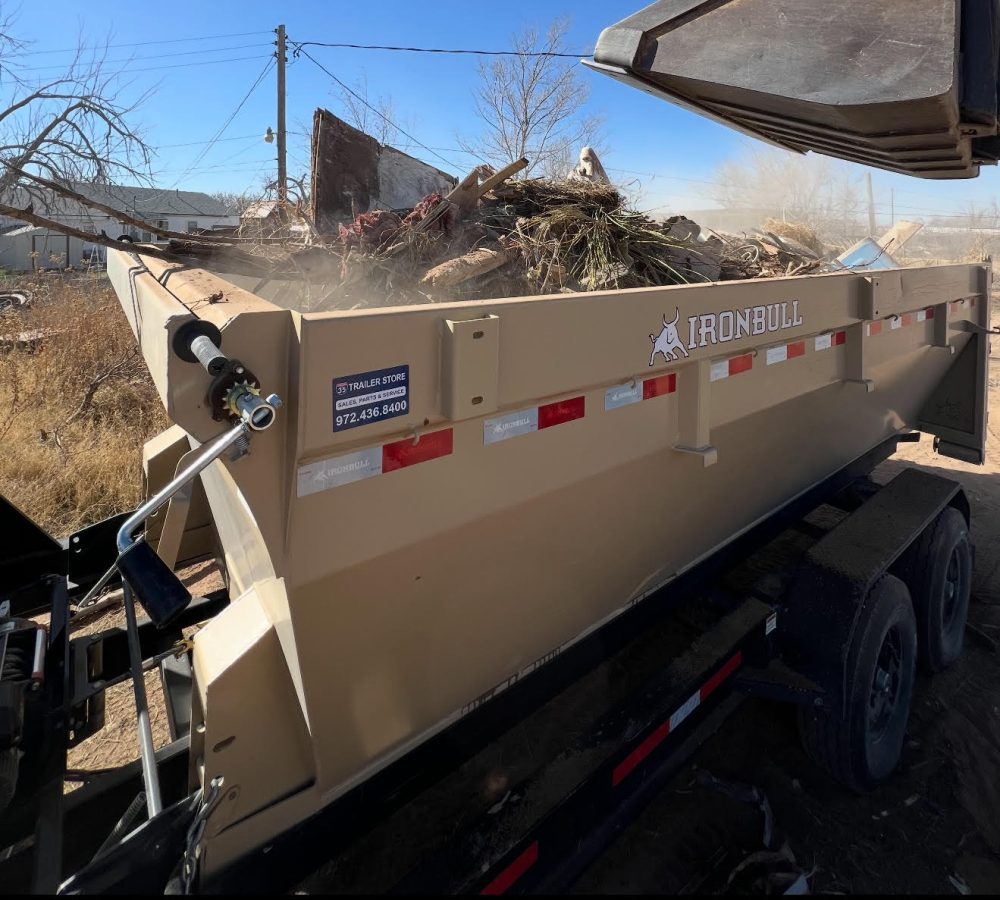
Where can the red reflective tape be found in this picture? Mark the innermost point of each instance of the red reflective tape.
(731, 666)
(907, 319)
(796, 349)
(930, 312)
(506, 879)
(400, 454)
(839, 338)
(561, 411)
(651, 742)
(874, 328)
(657, 387)
(741, 364)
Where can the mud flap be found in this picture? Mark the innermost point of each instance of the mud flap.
(955, 412)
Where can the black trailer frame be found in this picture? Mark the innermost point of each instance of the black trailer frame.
(540, 844)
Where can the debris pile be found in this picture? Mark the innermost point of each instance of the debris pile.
(493, 237)
(489, 237)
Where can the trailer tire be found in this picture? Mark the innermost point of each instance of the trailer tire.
(937, 568)
(861, 748)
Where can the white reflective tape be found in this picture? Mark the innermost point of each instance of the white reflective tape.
(824, 341)
(771, 624)
(374, 397)
(922, 315)
(719, 370)
(623, 395)
(338, 470)
(777, 354)
(692, 703)
(511, 425)
(896, 322)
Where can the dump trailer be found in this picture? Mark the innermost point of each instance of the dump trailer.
(420, 509)
(455, 530)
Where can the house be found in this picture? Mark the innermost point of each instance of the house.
(353, 173)
(170, 210)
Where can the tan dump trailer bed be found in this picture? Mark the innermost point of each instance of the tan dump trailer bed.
(450, 499)
(434, 521)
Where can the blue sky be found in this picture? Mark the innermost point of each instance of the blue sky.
(196, 85)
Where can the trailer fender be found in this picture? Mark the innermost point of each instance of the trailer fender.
(826, 598)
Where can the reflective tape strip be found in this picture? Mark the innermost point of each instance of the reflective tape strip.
(507, 878)
(635, 391)
(732, 366)
(873, 328)
(561, 411)
(895, 323)
(785, 352)
(409, 452)
(525, 421)
(361, 464)
(830, 339)
(659, 734)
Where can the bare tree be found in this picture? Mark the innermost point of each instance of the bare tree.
(375, 116)
(812, 190)
(533, 105)
(235, 202)
(70, 128)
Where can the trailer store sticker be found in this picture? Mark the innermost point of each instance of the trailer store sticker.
(370, 397)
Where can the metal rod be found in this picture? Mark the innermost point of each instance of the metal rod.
(207, 454)
(147, 752)
(103, 580)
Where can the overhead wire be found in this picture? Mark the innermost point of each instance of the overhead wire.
(299, 51)
(131, 59)
(211, 143)
(203, 37)
(530, 53)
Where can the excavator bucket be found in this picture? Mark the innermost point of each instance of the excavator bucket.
(909, 87)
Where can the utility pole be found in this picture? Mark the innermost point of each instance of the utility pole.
(892, 205)
(871, 205)
(282, 170)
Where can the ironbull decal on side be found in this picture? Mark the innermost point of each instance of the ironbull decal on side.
(720, 328)
(668, 341)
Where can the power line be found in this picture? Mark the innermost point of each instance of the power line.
(532, 53)
(242, 137)
(205, 62)
(228, 122)
(204, 37)
(298, 50)
(132, 59)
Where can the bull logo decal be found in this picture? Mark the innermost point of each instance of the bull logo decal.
(668, 341)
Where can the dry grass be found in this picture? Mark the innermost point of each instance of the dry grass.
(76, 409)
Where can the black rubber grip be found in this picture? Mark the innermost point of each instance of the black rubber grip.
(158, 590)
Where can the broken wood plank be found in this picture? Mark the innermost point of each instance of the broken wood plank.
(898, 235)
(463, 268)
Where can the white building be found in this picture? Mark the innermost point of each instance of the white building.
(170, 210)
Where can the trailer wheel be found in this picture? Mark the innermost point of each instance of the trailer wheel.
(937, 568)
(861, 748)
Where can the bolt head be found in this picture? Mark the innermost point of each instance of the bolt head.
(274, 400)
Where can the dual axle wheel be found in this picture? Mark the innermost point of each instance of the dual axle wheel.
(914, 616)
